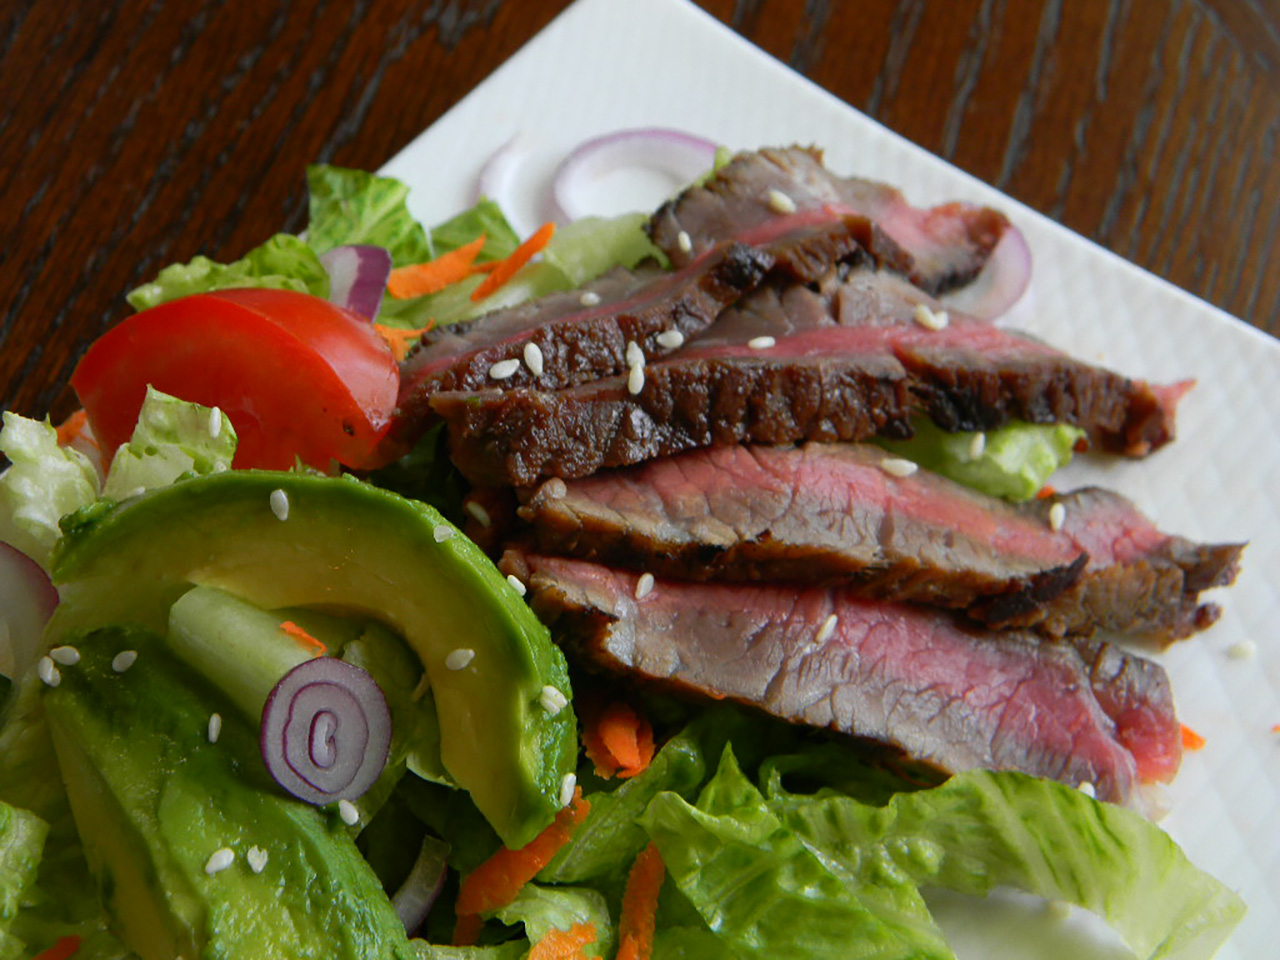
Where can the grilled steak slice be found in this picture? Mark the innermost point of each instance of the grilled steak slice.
(907, 676)
(830, 513)
(948, 244)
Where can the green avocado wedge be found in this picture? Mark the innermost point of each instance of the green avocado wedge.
(291, 540)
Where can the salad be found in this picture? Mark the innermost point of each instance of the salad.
(280, 704)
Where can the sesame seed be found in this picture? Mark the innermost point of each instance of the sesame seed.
(928, 319)
(552, 700)
(644, 586)
(634, 355)
(977, 445)
(442, 532)
(459, 659)
(348, 812)
(123, 660)
(827, 629)
(670, 339)
(1088, 789)
(215, 727)
(220, 860)
(533, 358)
(684, 242)
(897, 467)
(221, 466)
(504, 369)
(779, 202)
(48, 672)
(1057, 516)
(67, 656)
(478, 513)
(761, 343)
(1244, 650)
(280, 504)
(215, 422)
(589, 298)
(635, 379)
(555, 488)
(567, 786)
(257, 859)
(516, 584)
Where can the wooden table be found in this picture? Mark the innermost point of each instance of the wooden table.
(134, 134)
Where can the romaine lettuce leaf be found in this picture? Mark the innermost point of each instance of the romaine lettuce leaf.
(485, 219)
(22, 837)
(542, 909)
(586, 248)
(353, 206)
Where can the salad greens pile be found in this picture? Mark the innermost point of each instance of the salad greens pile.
(777, 842)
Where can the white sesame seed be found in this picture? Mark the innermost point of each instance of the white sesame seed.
(762, 343)
(215, 422)
(567, 786)
(459, 659)
(684, 242)
(779, 202)
(977, 445)
(635, 379)
(644, 586)
(1057, 516)
(634, 354)
(257, 859)
(1088, 789)
(280, 504)
(555, 488)
(442, 532)
(504, 369)
(897, 467)
(670, 339)
(552, 700)
(928, 319)
(533, 358)
(827, 629)
(220, 860)
(67, 656)
(48, 672)
(478, 513)
(589, 298)
(215, 727)
(348, 812)
(221, 466)
(1244, 650)
(516, 584)
(123, 660)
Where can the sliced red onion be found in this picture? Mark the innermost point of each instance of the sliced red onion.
(357, 277)
(326, 731)
(496, 178)
(1002, 281)
(675, 156)
(416, 896)
(27, 599)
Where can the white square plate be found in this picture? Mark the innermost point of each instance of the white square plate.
(612, 64)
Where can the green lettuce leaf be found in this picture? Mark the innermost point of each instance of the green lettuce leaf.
(22, 837)
(353, 206)
(542, 909)
(485, 219)
(284, 262)
(511, 950)
(586, 248)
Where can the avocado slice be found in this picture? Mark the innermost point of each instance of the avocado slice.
(345, 546)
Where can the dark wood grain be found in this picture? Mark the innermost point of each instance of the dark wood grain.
(134, 134)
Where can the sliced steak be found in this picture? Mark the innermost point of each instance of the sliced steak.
(831, 513)
(948, 244)
(907, 676)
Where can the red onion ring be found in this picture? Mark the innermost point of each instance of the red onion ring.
(1002, 282)
(679, 156)
(357, 277)
(27, 599)
(326, 731)
(421, 888)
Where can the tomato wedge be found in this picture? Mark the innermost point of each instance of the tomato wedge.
(297, 375)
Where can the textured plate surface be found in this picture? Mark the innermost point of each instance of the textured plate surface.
(613, 64)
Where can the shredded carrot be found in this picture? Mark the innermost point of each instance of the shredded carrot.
(640, 905)
(564, 944)
(1276, 728)
(1190, 739)
(617, 738)
(504, 270)
(64, 948)
(419, 279)
(466, 930)
(71, 428)
(306, 639)
(498, 880)
(1045, 492)
(400, 339)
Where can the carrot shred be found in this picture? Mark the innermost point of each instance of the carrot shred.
(564, 944)
(306, 639)
(466, 929)
(505, 269)
(1045, 492)
(419, 279)
(498, 880)
(64, 948)
(1276, 728)
(399, 339)
(617, 738)
(69, 429)
(640, 905)
(1190, 739)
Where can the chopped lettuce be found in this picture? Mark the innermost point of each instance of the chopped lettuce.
(586, 248)
(22, 837)
(542, 909)
(353, 206)
(485, 219)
